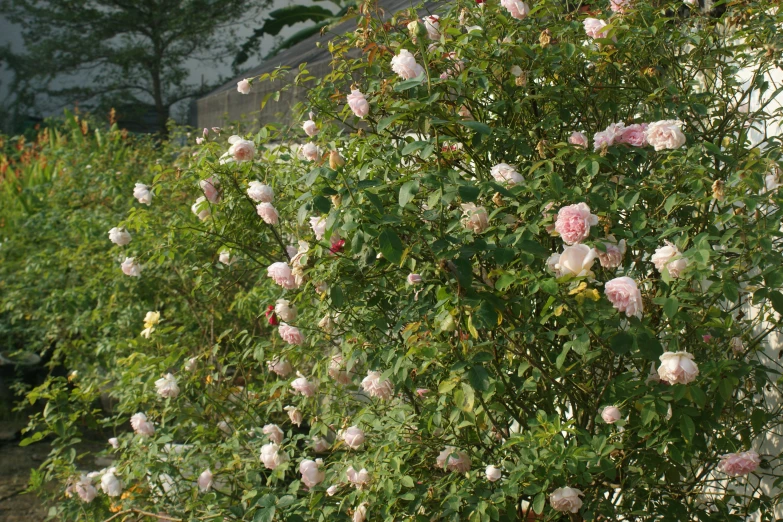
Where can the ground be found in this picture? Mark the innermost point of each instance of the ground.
(16, 463)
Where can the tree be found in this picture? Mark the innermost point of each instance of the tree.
(134, 51)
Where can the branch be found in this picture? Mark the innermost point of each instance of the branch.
(145, 513)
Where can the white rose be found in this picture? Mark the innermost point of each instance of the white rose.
(119, 236)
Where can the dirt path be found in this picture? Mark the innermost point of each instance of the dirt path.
(16, 463)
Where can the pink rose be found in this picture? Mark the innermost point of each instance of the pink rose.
(85, 490)
(205, 481)
(310, 128)
(353, 437)
(311, 472)
(404, 64)
(421, 392)
(376, 387)
(634, 135)
(280, 366)
(736, 464)
(677, 368)
(310, 151)
(302, 386)
(613, 257)
(241, 150)
(337, 369)
(608, 136)
(318, 224)
(274, 433)
(199, 141)
(320, 445)
(516, 8)
(506, 174)
(452, 460)
(594, 28)
(211, 189)
(576, 260)
(611, 414)
(624, 295)
(268, 213)
(290, 334)
(493, 473)
(119, 236)
(294, 415)
(200, 208)
(360, 514)
(143, 194)
(359, 479)
(566, 500)
(260, 193)
(243, 86)
(666, 134)
(474, 218)
(358, 103)
(141, 425)
(281, 273)
(271, 456)
(669, 257)
(432, 24)
(414, 279)
(573, 223)
(619, 6)
(130, 267)
(578, 139)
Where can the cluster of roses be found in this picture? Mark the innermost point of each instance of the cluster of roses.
(661, 135)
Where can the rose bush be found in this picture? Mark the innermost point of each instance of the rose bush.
(434, 358)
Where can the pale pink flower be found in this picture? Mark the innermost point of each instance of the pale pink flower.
(302, 386)
(320, 445)
(594, 28)
(353, 437)
(200, 141)
(566, 500)
(373, 385)
(274, 433)
(268, 213)
(294, 414)
(358, 103)
(619, 6)
(359, 479)
(706, 338)
(85, 490)
(611, 414)
(191, 364)
(114, 442)
(205, 481)
(506, 174)
(142, 193)
(226, 258)
(285, 310)
(130, 267)
(281, 273)
(119, 236)
(311, 472)
(241, 149)
(474, 218)
(280, 366)
(318, 224)
(576, 260)
(200, 208)
(578, 139)
(452, 460)
(205, 132)
(677, 368)
(260, 193)
(360, 514)
(309, 151)
(337, 369)
(211, 189)
(404, 64)
(625, 296)
(665, 134)
(310, 128)
(421, 392)
(110, 484)
(613, 257)
(553, 264)
(669, 257)
(141, 425)
(634, 135)
(414, 279)
(271, 456)
(609, 136)
(332, 490)
(516, 8)
(243, 86)
(167, 386)
(290, 334)
(493, 473)
(736, 464)
(432, 24)
(573, 223)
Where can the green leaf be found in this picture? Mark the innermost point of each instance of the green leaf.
(413, 146)
(549, 286)
(670, 307)
(383, 123)
(280, 18)
(621, 343)
(538, 503)
(391, 246)
(505, 281)
(408, 191)
(561, 358)
(479, 378)
(569, 49)
(648, 414)
(264, 515)
(482, 128)
(776, 298)
(410, 84)
(687, 428)
(468, 398)
(468, 193)
(407, 481)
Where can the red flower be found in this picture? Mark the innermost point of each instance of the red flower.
(337, 246)
(270, 315)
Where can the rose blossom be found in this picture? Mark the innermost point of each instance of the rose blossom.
(243, 86)
(432, 25)
(320, 445)
(141, 425)
(271, 456)
(226, 258)
(211, 189)
(353, 437)
(290, 334)
(619, 6)
(279, 366)
(506, 174)
(573, 223)
(337, 369)
(143, 193)
(474, 218)
(669, 256)
(665, 134)
(373, 385)
(576, 260)
(167, 386)
(452, 460)
(595, 28)
(360, 514)
(310, 128)
(608, 136)
(634, 135)
(359, 479)
(309, 151)
(114, 442)
(201, 210)
(358, 103)
(200, 141)
(677, 368)
(303, 386)
(205, 481)
(281, 273)
(274, 433)
(311, 472)
(421, 392)
(578, 139)
(318, 224)
(241, 149)
(625, 295)
(85, 490)
(130, 267)
(516, 8)
(736, 464)
(566, 500)
(285, 311)
(268, 213)
(493, 473)
(611, 414)
(260, 193)
(294, 414)
(110, 484)
(414, 279)
(404, 64)
(191, 364)
(119, 236)
(613, 257)
(331, 490)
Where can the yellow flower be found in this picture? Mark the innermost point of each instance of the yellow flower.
(151, 319)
